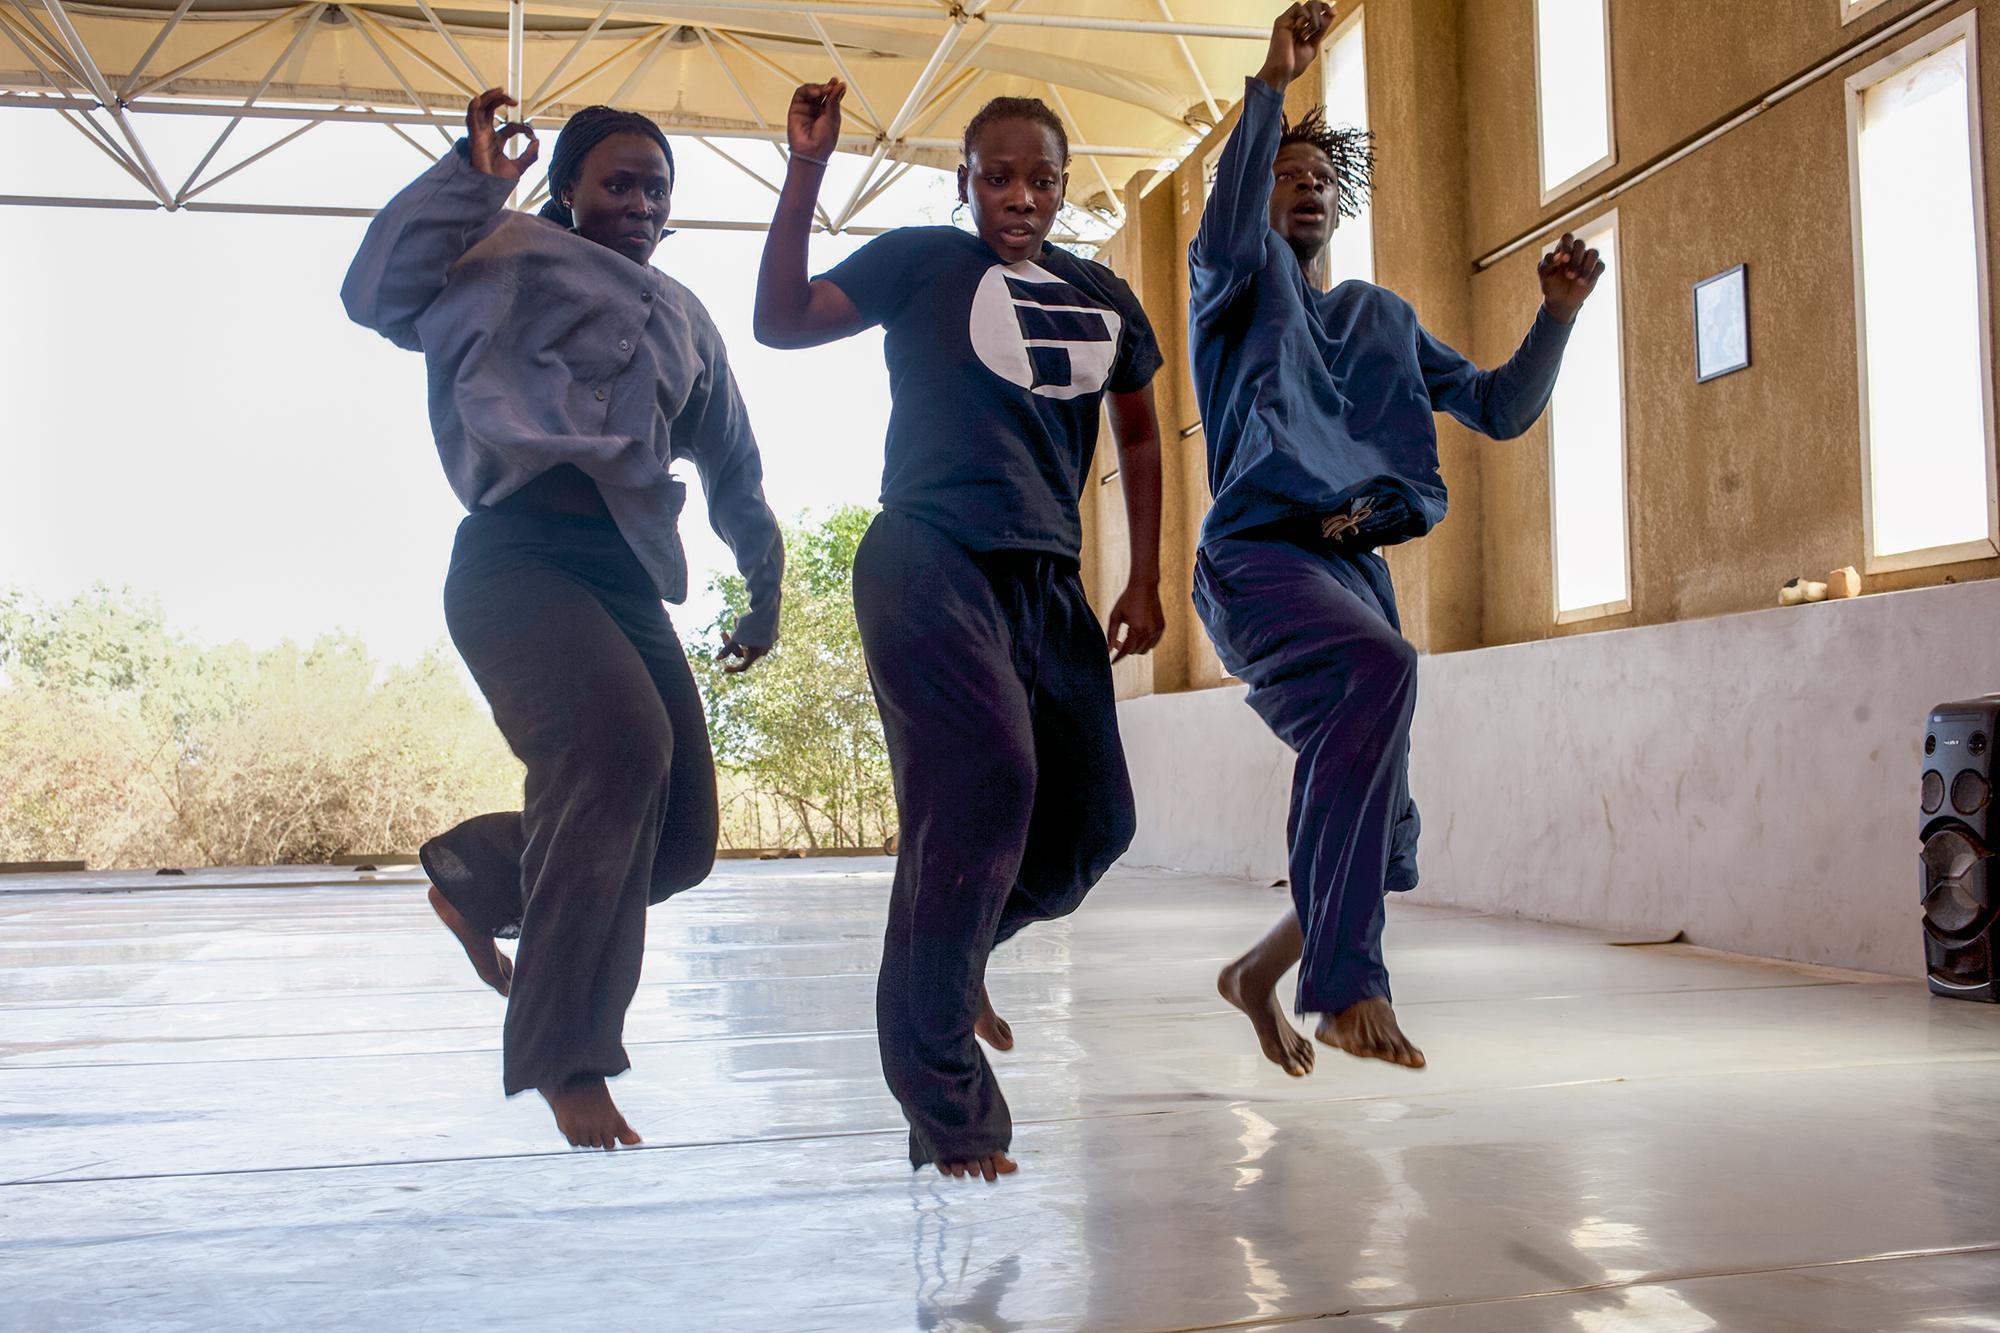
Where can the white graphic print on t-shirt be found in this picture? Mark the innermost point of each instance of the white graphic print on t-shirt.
(1031, 328)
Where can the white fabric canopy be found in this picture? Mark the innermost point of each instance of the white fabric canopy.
(1136, 81)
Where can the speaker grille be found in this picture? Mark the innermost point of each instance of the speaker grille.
(1967, 965)
(1933, 790)
(1953, 909)
(1969, 792)
(1950, 854)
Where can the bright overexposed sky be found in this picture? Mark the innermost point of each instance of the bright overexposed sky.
(186, 410)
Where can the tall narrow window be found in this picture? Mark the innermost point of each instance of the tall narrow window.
(1921, 299)
(1351, 252)
(1587, 451)
(1573, 91)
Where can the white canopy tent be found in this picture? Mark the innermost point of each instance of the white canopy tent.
(1137, 81)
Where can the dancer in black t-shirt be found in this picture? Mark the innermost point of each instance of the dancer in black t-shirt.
(989, 667)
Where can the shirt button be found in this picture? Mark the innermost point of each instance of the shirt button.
(600, 395)
(624, 345)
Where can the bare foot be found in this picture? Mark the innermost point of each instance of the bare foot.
(988, 1168)
(1284, 1045)
(496, 969)
(588, 1117)
(1368, 1029)
(991, 1028)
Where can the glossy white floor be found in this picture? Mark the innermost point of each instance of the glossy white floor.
(278, 1107)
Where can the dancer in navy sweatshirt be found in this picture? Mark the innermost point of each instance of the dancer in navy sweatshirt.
(1317, 407)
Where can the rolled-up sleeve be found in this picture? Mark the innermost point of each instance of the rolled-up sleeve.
(714, 430)
(412, 243)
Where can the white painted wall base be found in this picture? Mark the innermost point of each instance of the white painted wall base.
(1750, 780)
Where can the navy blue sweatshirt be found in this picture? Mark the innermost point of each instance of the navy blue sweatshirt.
(1311, 400)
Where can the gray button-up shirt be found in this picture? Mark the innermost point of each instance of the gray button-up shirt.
(544, 348)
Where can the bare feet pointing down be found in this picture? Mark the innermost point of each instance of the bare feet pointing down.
(988, 1169)
(496, 969)
(588, 1117)
(1284, 1045)
(992, 1029)
(1369, 1029)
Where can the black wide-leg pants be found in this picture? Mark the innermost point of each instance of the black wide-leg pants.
(994, 684)
(567, 638)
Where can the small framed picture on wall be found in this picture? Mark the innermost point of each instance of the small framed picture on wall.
(1721, 324)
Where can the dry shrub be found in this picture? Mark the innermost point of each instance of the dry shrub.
(75, 784)
(324, 759)
(124, 744)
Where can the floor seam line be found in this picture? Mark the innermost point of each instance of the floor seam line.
(842, 976)
(840, 1134)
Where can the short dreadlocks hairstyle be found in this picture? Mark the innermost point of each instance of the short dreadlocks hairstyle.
(1031, 109)
(1351, 151)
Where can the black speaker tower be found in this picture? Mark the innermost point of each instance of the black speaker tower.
(1961, 831)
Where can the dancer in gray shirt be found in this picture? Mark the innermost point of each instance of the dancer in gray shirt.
(566, 374)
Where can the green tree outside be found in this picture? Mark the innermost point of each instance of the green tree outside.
(798, 745)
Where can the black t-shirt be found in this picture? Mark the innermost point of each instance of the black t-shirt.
(997, 374)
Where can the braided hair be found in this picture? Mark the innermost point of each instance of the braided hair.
(583, 132)
(1031, 109)
(1351, 151)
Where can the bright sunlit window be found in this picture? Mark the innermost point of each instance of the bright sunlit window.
(1587, 451)
(1573, 91)
(1926, 371)
(1351, 252)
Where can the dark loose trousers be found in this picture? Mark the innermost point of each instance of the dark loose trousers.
(994, 685)
(564, 632)
(1313, 630)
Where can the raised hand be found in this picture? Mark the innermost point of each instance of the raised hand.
(1569, 274)
(1295, 40)
(489, 144)
(812, 125)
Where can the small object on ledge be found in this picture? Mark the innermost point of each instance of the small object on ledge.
(1801, 590)
(1841, 583)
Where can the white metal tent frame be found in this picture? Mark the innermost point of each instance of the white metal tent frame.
(409, 66)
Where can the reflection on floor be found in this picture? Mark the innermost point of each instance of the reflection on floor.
(247, 1102)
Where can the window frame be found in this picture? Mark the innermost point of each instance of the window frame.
(1607, 225)
(1356, 19)
(1964, 28)
(1550, 193)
